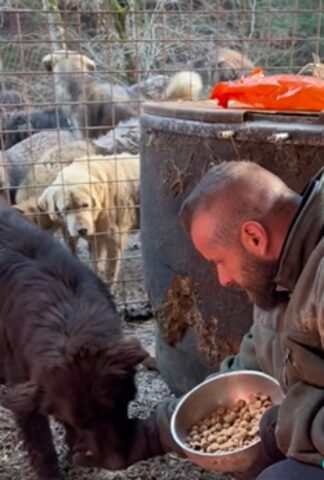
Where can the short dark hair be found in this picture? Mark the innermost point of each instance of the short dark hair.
(226, 191)
(233, 192)
(208, 190)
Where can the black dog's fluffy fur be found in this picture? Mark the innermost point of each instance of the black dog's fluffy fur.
(21, 125)
(62, 350)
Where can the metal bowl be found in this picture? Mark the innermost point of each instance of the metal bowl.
(201, 401)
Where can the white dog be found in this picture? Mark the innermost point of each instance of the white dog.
(97, 198)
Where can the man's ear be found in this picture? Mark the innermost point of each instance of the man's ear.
(254, 238)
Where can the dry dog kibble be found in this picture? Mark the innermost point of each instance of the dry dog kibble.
(230, 428)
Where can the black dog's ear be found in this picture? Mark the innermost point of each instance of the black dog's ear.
(22, 398)
(132, 351)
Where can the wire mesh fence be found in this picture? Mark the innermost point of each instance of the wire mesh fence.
(73, 77)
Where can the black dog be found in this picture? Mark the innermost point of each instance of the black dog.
(21, 125)
(62, 350)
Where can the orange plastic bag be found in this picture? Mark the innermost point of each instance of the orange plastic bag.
(273, 92)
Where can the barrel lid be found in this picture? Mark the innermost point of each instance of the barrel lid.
(207, 111)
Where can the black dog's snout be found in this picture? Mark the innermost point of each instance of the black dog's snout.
(83, 232)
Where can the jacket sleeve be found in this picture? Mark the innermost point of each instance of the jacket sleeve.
(245, 359)
(163, 415)
(300, 427)
(319, 299)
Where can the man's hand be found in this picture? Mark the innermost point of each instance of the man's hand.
(269, 452)
(145, 444)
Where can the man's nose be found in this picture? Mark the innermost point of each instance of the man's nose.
(224, 279)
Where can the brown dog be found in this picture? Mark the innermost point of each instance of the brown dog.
(95, 107)
(90, 104)
(223, 65)
(231, 64)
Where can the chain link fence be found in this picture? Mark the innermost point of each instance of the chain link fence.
(56, 127)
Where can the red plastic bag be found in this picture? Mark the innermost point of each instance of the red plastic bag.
(273, 92)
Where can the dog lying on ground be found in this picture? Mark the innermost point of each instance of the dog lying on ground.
(43, 171)
(97, 198)
(95, 106)
(17, 160)
(19, 126)
(124, 138)
(12, 100)
(63, 351)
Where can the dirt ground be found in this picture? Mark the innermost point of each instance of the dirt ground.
(151, 390)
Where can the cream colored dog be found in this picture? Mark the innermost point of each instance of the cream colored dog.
(97, 198)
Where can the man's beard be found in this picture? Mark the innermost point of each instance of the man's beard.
(258, 282)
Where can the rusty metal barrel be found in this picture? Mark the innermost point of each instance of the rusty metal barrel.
(199, 323)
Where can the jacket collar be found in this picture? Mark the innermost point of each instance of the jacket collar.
(305, 232)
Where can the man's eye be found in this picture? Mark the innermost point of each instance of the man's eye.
(85, 205)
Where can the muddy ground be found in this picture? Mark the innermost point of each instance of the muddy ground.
(151, 390)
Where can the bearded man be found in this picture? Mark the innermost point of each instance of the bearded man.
(262, 237)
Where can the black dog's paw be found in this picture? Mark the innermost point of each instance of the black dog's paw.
(88, 460)
(85, 460)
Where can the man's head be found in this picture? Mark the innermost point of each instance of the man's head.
(238, 217)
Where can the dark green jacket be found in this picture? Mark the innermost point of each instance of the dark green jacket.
(288, 342)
